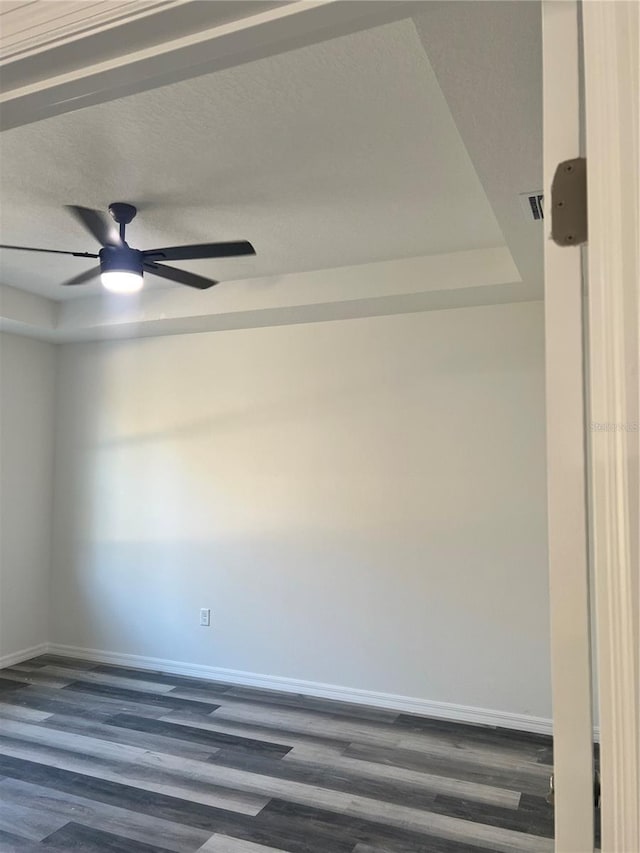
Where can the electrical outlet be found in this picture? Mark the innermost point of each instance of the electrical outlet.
(205, 617)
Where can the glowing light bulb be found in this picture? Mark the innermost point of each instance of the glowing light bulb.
(122, 281)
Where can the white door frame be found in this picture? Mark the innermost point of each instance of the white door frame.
(610, 349)
(612, 107)
(566, 462)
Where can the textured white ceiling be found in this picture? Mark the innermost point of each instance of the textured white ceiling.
(488, 60)
(341, 153)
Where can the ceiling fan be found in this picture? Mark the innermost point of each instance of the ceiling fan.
(121, 268)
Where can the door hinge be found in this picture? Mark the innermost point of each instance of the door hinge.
(569, 203)
(551, 796)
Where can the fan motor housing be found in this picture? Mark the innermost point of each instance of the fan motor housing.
(120, 259)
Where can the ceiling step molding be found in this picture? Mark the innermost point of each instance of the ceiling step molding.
(407, 285)
(156, 44)
(28, 314)
(32, 27)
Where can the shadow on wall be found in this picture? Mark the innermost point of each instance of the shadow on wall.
(296, 406)
(358, 504)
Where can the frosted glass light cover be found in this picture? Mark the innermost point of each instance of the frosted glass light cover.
(120, 281)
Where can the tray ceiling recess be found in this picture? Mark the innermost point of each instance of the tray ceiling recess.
(341, 152)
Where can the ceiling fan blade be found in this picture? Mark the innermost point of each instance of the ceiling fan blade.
(201, 250)
(51, 251)
(83, 277)
(96, 224)
(179, 276)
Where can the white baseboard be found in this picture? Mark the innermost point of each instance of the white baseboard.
(23, 654)
(390, 701)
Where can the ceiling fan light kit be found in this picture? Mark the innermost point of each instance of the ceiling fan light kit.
(122, 268)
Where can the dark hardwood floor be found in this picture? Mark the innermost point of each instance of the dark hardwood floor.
(100, 758)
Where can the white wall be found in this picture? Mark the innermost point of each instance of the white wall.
(359, 502)
(27, 378)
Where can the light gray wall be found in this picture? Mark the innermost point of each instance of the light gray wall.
(27, 378)
(359, 502)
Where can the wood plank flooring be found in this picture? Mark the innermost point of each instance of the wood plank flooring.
(100, 758)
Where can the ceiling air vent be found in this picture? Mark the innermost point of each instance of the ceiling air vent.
(532, 205)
